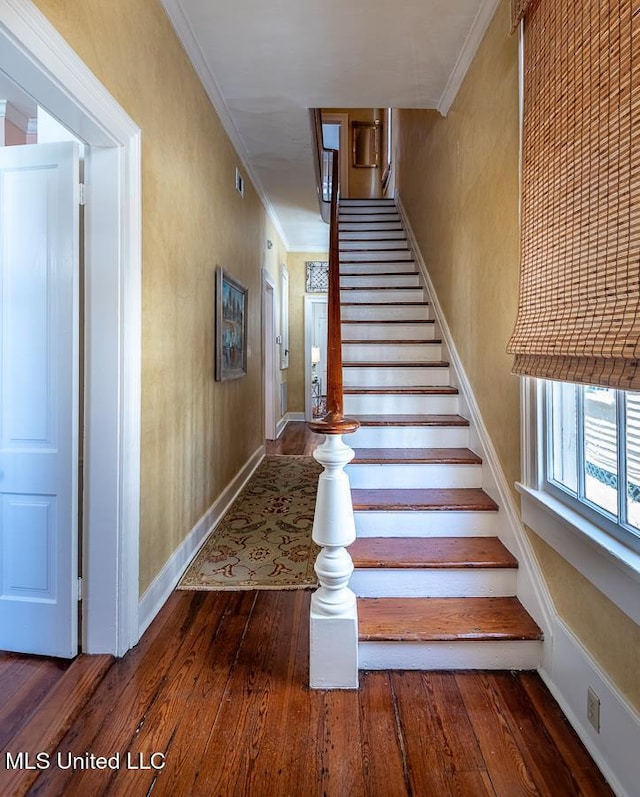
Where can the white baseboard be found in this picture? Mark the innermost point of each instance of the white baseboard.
(165, 582)
(569, 671)
(532, 589)
(289, 416)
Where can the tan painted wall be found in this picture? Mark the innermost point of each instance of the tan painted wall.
(297, 281)
(458, 179)
(196, 433)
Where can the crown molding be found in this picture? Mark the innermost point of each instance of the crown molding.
(184, 31)
(469, 49)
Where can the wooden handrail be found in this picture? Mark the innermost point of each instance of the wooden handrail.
(334, 421)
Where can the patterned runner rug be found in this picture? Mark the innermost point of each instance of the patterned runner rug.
(264, 540)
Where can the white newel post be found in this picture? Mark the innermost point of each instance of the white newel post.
(334, 620)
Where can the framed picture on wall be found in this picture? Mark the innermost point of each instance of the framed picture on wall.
(230, 327)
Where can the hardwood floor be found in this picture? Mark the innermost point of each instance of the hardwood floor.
(296, 439)
(217, 690)
(214, 701)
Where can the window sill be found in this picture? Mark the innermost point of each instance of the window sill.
(608, 564)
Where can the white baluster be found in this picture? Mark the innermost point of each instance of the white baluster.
(334, 620)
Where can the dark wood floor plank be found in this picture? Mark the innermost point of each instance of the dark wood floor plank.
(56, 713)
(295, 440)
(427, 766)
(382, 747)
(28, 683)
(563, 738)
(340, 767)
(119, 705)
(505, 764)
(231, 763)
(210, 677)
(548, 770)
(164, 728)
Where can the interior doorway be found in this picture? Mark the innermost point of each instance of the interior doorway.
(269, 349)
(37, 58)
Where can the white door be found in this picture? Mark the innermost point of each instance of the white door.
(39, 326)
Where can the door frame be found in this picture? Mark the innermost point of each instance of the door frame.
(344, 158)
(309, 301)
(34, 54)
(269, 349)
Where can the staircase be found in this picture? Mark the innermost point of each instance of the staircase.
(436, 587)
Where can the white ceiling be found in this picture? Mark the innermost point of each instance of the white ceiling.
(264, 64)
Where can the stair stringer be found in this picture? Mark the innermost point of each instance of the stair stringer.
(532, 590)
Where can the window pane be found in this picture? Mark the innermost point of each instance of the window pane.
(563, 434)
(601, 448)
(633, 459)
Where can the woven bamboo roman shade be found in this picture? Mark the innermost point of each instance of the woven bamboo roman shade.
(518, 10)
(579, 308)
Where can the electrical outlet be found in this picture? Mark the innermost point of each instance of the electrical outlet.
(593, 709)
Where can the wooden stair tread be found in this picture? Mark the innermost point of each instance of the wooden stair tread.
(444, 619)
(445, 499)
(431, 553)
(412, 420)
(414, 390)
(403, 456)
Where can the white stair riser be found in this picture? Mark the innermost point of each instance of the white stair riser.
(394, 376)
(428, 523)
(464, 582)
(387, 267)
(413, 477)
(390, 255)
(369, 244)
(394, 404)
(367, 201)
(467, 655)
(390, 352)
(390, 312)
(380, 280)
(372, 235)
(366, 218)
(380, 225)
(371, 331)
(410, 437)
(396, 296)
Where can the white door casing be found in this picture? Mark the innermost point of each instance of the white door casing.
(39, 390)
(34, 55)
(269, 349)
(315, 334)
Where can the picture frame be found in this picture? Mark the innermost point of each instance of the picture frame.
(230, 327)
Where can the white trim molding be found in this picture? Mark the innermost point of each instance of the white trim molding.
(13, 115)
(34, 54)
(467, 54)
(165, 582)
(185, 34)
(568, 672)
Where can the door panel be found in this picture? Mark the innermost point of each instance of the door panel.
(39, 261)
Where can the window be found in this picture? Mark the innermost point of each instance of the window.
(593, 454)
